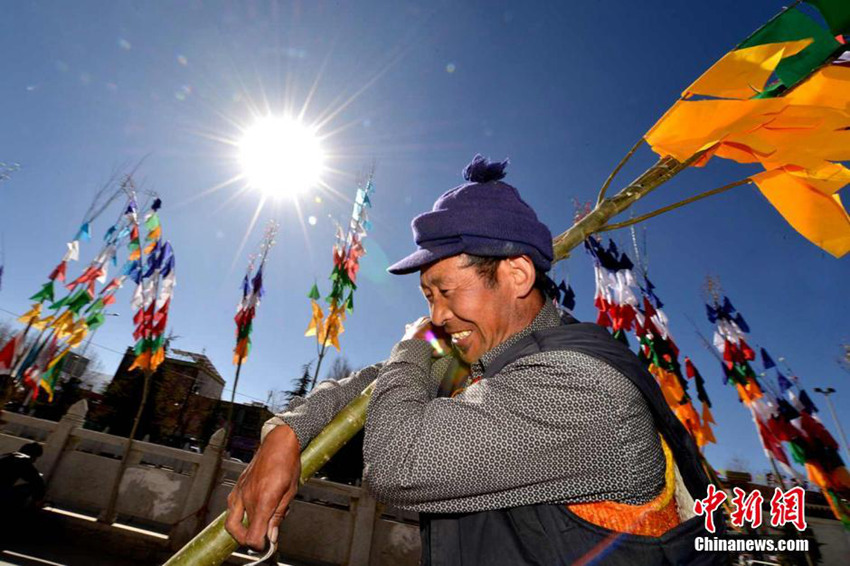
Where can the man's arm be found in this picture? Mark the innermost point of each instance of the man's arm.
(307, 416)
(269, 483)
(548, 428)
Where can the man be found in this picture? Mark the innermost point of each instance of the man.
(550, 445)
(21, 484)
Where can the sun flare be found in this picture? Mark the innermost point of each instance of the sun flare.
(281, 156)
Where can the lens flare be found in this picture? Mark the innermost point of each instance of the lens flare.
(281, 156)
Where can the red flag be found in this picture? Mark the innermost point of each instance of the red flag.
(7, 354)
(58, 272)
(689, 368)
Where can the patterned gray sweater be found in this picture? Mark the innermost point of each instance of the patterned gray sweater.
(553, 427)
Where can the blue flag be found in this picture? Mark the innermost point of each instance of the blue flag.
(784, 384)
(766, 360)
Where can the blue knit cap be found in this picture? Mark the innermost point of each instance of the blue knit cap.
(484, 217)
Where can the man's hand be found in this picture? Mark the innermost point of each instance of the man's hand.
(423, 329)
(265, 489)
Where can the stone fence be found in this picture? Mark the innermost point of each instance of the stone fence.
(165, 489)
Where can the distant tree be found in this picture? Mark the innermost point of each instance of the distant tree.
(301, 384)
(277, 399)
(340, 369)
(92, 377)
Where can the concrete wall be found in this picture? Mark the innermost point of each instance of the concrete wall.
(163, 488)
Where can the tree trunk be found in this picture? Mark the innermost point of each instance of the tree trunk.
(110, 513)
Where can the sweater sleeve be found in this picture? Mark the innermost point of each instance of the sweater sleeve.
(308, 415)
(548, 428)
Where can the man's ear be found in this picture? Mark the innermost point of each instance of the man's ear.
(519, 271)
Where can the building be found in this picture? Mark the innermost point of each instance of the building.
(184, 392)
(184, 406)
(207, 382)
(248, 420)
(74, 366)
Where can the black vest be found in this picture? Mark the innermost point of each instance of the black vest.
(551, 535)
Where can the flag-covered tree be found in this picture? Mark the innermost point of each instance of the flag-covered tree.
(36, 362)
(347, 251)
(252, 292)
(151, 266)
(782, 411)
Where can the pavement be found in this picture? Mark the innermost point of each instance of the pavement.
(56, 537)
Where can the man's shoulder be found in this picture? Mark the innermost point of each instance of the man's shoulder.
(569, 368)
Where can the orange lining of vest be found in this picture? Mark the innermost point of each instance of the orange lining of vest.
(653, 518)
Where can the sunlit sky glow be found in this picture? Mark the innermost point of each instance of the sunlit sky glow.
(281, 156)
(417, 88)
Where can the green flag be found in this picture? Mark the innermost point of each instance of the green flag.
(96, 306)
(80, 299)
(95, 320)
(153, 222)
(797, 453)
(793, 25)
(61, 302)
(836, 13)
(314, 293)
(46, 293)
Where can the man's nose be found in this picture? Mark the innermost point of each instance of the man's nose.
(440, 313)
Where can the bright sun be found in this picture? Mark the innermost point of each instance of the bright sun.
(281, 156)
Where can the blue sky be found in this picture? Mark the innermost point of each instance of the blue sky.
(562, 90)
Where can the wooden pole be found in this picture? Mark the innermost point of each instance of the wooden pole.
(110, 513)
(229, 424)
(319, 363)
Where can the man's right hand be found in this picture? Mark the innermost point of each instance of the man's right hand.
(265, 489)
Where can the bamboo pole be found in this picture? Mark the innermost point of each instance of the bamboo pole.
(664, 169)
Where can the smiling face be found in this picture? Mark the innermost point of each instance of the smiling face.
(476, 314)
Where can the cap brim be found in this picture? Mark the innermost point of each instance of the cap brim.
(424, 256)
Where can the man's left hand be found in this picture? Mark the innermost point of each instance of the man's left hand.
(423, 329)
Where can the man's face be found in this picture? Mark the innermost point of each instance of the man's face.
(477, 316)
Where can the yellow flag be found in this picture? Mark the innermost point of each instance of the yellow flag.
(63, 324)
(828, 87)
(57, 357)
(157, 358)
(333, 328)
(78, 333)
(142, 361)
(692, 126)
(742, 73)
(820, 218)
(315, 328)
(43, 323)
(32, 315)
